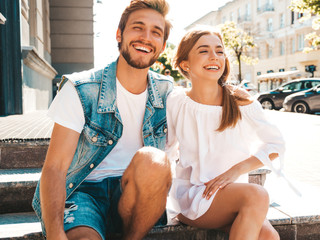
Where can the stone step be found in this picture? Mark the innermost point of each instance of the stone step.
(17, 187)
(26, 226)
(20, 226)
(15, 154)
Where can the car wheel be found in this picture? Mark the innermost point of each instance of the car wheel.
(267, 104)
(300, 107)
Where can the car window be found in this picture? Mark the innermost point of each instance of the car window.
(308, 85)
(315, 83)
(293, 86)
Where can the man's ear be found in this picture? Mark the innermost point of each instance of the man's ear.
(118, 35)
(184, 66)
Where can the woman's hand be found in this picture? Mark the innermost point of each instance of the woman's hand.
(220, 182)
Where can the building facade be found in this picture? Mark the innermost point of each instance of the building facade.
(41, 40)
(278, 34)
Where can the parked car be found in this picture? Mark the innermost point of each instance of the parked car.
(274, 98)
(303, 102)
(247, 85)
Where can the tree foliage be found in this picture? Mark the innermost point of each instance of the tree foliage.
(165, 61)
(238, 42)
(309, 8)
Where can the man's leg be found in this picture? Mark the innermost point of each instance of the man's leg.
(83, 233)
(145, 185)
(84, 215)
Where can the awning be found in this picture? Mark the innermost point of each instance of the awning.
(287, 76)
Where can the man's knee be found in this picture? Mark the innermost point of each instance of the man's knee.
(150, 166)
(151, 161)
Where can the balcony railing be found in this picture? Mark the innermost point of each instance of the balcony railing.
(265, 8)
(244, 18)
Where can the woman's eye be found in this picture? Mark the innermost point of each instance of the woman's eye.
(204, 51)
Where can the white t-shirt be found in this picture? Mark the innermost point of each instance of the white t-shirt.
(66, 110)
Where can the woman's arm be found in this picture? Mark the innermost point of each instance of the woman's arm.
(233, 173)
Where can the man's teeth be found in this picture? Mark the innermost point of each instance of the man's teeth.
(212, 67)
(142, 49)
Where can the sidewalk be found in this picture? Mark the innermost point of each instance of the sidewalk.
(26, 127)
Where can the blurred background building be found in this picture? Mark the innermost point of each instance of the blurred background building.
(39, 41)
(278, 34)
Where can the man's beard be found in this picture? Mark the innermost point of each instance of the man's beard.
(136, 64)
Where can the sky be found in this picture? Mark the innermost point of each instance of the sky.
(107, 15)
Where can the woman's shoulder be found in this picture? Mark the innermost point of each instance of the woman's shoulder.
(178, 93)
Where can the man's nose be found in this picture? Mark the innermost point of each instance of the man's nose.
(146, 35)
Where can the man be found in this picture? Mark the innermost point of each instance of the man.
(104, 168)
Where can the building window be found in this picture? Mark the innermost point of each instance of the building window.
(292, 17)
(281, 70)
(300, 42)
(300, 15)
(269, 25)
(258, 73)
(293, 68)
(293, 45)
(248, 10)
(258, 5)
(281, 48)
(281, 20)
(231, 16)
(224, 19)
(259, 53)
(269, 51)
(270, 71)
(239, 14)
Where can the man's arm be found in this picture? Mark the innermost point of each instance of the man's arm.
(52, 184)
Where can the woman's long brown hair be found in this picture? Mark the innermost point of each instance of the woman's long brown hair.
(230, 109)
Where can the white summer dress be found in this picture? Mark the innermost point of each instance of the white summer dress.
(204, 153)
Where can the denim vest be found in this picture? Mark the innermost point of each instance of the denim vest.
(103, 126)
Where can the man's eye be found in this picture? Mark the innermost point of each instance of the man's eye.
(204, 51)
(137, 28)
(221, 52)
(157, 33)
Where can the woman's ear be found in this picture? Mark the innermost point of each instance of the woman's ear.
(118, 36)
(184, 66)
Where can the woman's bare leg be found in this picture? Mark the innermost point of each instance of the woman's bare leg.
(268, 232)
(243, 206)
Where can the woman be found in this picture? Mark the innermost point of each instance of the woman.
(215, 128)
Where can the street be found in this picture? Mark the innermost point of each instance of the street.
(302, 135)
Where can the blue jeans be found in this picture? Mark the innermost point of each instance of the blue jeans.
(95, 205)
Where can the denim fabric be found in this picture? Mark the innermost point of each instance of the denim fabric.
(103, 125)
(95, 205)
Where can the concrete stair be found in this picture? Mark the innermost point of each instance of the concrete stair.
(17, 187)
(20, 169)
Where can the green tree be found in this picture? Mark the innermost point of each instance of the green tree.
(239, 43)
(165, 61)
(309, 8)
